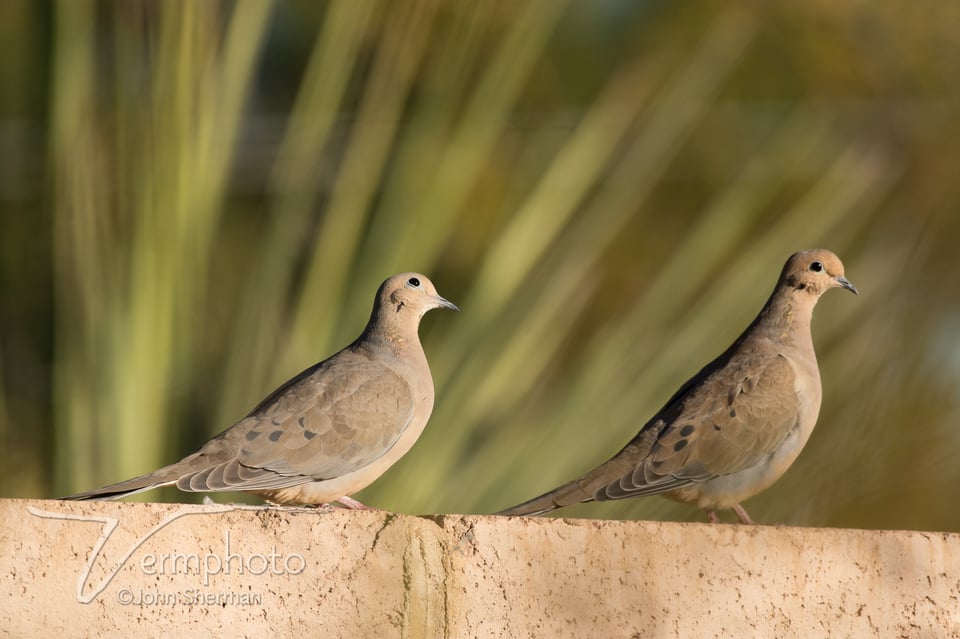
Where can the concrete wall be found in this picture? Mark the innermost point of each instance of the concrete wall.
(116, 569)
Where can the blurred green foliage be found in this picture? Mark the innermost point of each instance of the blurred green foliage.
(198, 200)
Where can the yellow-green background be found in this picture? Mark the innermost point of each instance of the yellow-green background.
(198, 200)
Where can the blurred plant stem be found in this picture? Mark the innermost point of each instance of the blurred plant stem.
(131, 279)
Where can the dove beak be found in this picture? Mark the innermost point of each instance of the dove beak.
(845, 283)
(445, 303)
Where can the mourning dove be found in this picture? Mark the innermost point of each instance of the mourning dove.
(331, 430)
(736, 426)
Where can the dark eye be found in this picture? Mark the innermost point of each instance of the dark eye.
(816, 267)
(414, 282)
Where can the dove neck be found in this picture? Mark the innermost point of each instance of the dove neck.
(394, 331)
(786, 316)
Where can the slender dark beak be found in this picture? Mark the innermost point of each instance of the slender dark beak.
(845, 283)
(445, 303)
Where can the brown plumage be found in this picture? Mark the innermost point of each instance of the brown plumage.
(331, 430)
(736, 426)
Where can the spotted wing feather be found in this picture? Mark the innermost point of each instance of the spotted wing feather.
(727, 423)
(337, 419)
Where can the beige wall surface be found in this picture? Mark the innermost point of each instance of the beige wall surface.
(119, 569)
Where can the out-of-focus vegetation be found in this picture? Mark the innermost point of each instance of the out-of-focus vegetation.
(199, 199)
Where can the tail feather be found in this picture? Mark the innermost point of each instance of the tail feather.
(123, 488)
(566, 495)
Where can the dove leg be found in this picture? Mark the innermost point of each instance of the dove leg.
(353, 504)
(712, 517)
(742, 514)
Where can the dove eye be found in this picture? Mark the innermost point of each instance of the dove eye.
(414, 282)
(816, 267)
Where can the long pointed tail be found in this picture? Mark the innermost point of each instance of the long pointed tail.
(124, 488)
(566, 495)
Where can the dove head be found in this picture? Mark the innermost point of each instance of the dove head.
(411, 293)
(814, 271)
(405, 298)
(401, 302)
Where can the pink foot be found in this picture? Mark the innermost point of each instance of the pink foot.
(353, 504)
(712, 517)
(742, 514)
